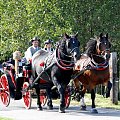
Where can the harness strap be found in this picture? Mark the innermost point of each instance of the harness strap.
(61, 61)
(61, 64)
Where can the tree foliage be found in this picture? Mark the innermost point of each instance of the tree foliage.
(21, 20)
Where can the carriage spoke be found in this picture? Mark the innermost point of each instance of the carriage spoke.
(26, 96)
(4, 89)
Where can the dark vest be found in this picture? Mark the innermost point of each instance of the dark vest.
(33, 50)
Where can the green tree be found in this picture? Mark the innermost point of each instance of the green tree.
(21, 20)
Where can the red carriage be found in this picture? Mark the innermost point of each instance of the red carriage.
(17, 87)
(11, 86)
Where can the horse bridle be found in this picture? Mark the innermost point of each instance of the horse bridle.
(74, 49)
(103, 51)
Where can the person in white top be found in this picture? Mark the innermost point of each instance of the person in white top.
(48, 45)
(33, 48)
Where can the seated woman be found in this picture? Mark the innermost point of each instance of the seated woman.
(48, 45)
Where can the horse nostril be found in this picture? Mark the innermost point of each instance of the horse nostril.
(75, 56)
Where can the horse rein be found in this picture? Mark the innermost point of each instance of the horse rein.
(74, 49)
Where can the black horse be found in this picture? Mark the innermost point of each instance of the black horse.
(56, 68)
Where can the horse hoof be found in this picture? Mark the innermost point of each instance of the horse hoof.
(83, 108)
(49, 107)
(93, 110)
(39, 108)
(61, 110)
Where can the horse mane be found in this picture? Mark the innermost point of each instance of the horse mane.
(91, 47)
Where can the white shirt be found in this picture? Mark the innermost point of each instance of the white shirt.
(30, 51)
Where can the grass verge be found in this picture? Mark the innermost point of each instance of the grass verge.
(100, 101)
(2, 118)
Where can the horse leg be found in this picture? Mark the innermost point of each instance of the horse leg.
(76, 83)
(78, 87)
(39, 107)
(106, 89)
(82, 101)
(109, 86)
(61, 90)
(93, 110)
(49, 103)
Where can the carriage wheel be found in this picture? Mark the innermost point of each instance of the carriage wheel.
(26, 96)
(67, 97)
(4, 90)
(43, 97)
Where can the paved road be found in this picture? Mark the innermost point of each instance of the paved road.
(17, 111)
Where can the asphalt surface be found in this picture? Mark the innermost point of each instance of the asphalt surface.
(16, 111)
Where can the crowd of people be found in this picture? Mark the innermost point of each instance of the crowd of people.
(35, 44)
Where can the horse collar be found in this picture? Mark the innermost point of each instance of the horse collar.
(60, 62)
(100, 66)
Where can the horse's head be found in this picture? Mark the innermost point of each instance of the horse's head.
(72, 45)
(103, 46)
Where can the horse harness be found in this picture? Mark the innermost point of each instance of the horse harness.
(62, 63)
(52, 59)
(87, 63)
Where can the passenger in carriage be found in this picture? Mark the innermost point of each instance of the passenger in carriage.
(48, 45)
(11, 62)
(33, 48)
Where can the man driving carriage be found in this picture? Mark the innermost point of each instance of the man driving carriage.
(33, 48)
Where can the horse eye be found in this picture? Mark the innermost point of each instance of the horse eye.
(105, 43)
